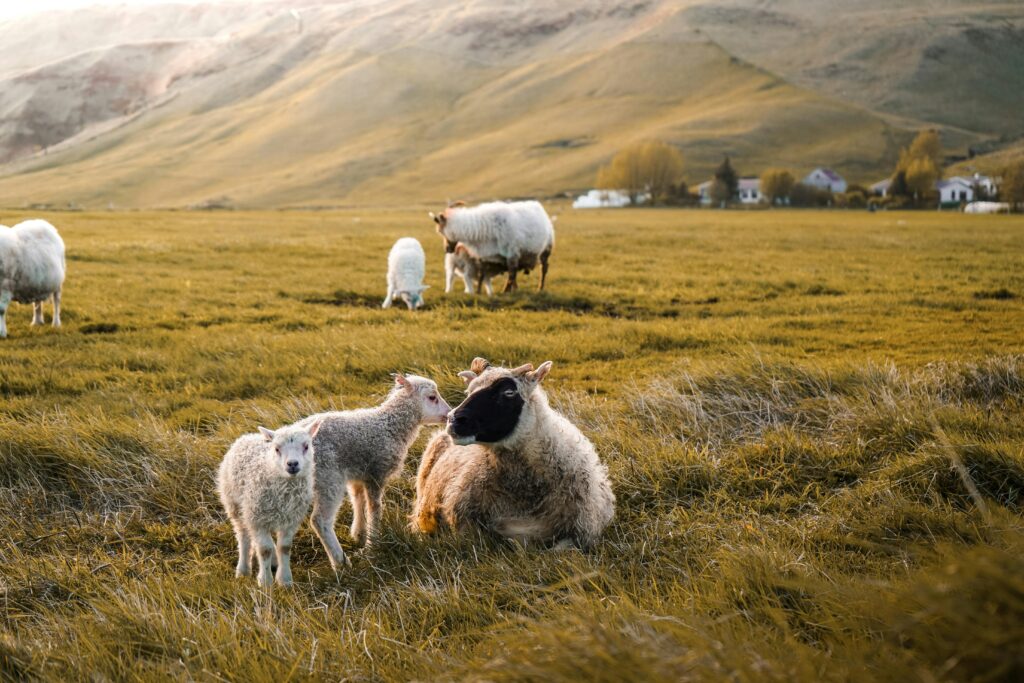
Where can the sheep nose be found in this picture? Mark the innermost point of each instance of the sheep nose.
(293, 466)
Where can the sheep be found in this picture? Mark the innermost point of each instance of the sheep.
(515, 234)
(360, 450)
(266, 486)
(406, 268)
(32, 269)
(459, 261)
(510, 464)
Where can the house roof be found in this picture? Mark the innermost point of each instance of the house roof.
(750, 184)
(828, 173)
(882, 185)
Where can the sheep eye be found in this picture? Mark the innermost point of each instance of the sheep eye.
(510, 393)
(305, 447)
(278, 449)
(433, 399)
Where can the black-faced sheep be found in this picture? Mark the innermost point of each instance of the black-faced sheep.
(510, 464)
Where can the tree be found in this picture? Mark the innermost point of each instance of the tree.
(1012, 189)
(653, 167)
(726, 183)
(919, 167)
(776, 184)
(921, 177)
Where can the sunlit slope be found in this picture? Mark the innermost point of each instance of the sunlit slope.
(392, 101)
(414, 125)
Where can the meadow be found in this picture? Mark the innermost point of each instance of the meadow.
(812, 422)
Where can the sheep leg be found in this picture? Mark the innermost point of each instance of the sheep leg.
(389, 298)
(488, 287)
(284, 555)
(265, 555)
(5, 301)
(56, 308)
(243, 568)
(357, 494)
(513, 270)
(449, 276)
(37, 313)
(373, 495)
(544, 256)
(325, 512)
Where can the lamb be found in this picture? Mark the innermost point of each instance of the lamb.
(510, 464)
(406, 268)
(32, 269)
(360, 450)
(266, 486)
(459, 261)
(515, 234)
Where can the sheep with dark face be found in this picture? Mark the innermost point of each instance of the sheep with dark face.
(510, 464)
(517, 235)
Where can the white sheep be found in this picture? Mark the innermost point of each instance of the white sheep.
(32, 269)
(406, 268)
(515, 234)
(358, 451)
(266, 486)
(510, 464)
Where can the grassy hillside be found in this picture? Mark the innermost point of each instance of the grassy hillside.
(812, 423)
(358, 103)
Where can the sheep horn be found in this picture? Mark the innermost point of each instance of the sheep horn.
(479, 365)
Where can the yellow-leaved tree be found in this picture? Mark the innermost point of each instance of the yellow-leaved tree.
(645, 167)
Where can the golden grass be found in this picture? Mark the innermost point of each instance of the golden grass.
(811, 421)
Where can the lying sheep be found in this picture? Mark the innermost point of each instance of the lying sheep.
(360, 450)
(517, 235)
(406, 268)
(266, 486)
(32, 269)
(510, 464)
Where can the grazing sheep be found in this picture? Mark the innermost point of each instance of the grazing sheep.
(31, 269)
(406, 268)
(510, 464)
(360, 450)
(460, 262)
(514, 234)
(266, 486)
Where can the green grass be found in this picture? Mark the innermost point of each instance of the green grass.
(812, 422)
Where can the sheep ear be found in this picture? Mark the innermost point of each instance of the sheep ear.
(523, 369)
(479, 365)
(467, 376)
(267, 434)
(424, 288)
(315, 427)
(538, 375)
(401, 381)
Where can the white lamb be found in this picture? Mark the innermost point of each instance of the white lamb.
(31, 269)
(515, 234)
(407, 264)
(358, 451)
(460, 262)
(266, 486)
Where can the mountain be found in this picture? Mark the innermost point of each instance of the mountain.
(288, 103)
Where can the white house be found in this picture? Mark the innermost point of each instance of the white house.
(955, 190)
(826, 179)
(881, 188)
(748, 191)
(606, 199)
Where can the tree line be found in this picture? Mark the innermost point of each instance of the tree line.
(653, 171)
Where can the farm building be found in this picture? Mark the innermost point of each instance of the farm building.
(955, 190)
(747, 192)
(826, 179)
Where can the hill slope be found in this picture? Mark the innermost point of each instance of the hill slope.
(395, 101)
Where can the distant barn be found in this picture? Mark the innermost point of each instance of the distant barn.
(826, 179)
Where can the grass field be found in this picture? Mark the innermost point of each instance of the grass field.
(812, 422)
